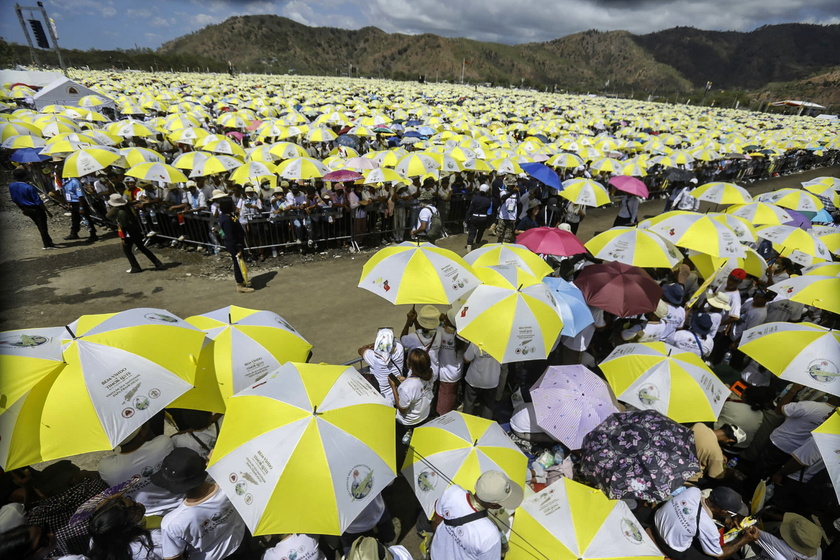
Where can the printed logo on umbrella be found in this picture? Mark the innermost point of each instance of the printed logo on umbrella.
(648, 394)
(23, 340)
(161, 317)
(823, 370)
(630, 531)
(359, 482)
(427, 480)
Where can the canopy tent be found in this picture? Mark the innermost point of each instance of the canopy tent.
(32, 78)
(64, 91)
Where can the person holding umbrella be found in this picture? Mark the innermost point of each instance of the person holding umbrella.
(130, 233)
(29, 201)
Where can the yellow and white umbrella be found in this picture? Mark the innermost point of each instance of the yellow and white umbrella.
(794, 199)
(302, 168)
(832, 182)
(416, 165)
(90, 159)
(251, 169)
(564, 160)
(121, 370)
(722, 193)
(696, 231)
(129, 128)
(512, 316)
(286, 150)
(571, 521)
(475, 164)
(655, 376)
(418, 273)
(707, 265)
(585, 191)
(15, 128)
(215, 164)
(822, 292)
(153, 171)
(384, 175)
(32, 354)
(319, 134)
(493, 254)
(24, 141)
(224, 146)
(760, 213)
(135, 156)
(744, 230)
(457, 448)
(822, 269)
(802, 353)
(788, 239)
(827, 438)
(636, 247)
(309, 434)
(506, 165)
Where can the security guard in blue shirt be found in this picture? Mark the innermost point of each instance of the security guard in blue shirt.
(75, 195)
(29, 201)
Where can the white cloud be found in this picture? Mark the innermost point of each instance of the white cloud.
(139, 13)
(158, 21)
(109, 11)
(203, 20)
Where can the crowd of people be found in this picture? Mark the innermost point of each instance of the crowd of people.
(152, 498)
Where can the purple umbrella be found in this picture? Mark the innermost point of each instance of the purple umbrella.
(640, 454)
(630, 185)
(343, 175)
(799, 220)
(570, 401)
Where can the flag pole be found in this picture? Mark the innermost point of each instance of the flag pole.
(463, 66)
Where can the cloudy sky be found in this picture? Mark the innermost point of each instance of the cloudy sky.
(106, 24)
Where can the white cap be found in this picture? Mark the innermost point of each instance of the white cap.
(484, 187)
(494, 487)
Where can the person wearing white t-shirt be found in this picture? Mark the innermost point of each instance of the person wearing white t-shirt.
(685, 526)
(413, 397)
(483, 375)
(450, 364)
(427, 334)
(140, 456)
(801, 540)
(205, 526)
(116, 529)
(731, 315)
(697, 338)
(297, 546)
(462, 522)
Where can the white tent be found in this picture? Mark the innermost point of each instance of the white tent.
(31, 78)
(65, 91)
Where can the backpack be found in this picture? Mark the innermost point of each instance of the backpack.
(435, 229)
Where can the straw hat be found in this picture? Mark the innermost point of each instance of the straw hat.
(719, 300)
(116, 200)
(217, 194)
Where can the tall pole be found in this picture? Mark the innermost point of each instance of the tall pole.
(463, 66)
(32, 52)
(53, 36)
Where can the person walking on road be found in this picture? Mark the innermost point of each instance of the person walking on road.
(130, 233)
(233, 238)
(74, 193)
(29, 201)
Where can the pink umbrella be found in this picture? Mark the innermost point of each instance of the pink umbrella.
(619, 288)
(235, 134)
(630, 185)
(343, 175)
(569, 402)
(551, 241)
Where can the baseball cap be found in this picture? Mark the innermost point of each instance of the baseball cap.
(726, 499)
(693, 180)
(183, 469)
(494, 487)
(484, 188)
(738, 273)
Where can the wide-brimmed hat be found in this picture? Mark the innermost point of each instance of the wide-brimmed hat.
(702, 324)
(191, 184)
(250, 190)
(494, 487)
(182, 470)
(278, 190)
(368, 548)
(719, 300)
(429, 317)
(116, 200)
(800, 534)
(284, 184)
(533, 203)
(661, 309)
(217, 194)
(674, 294)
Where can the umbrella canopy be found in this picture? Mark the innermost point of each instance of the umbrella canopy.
(493, 254)
(677, 174)
(585, 191)
(744, 230)
(570, 401)
(802, 353)
(311, 434)
(708, 265)
(822, 292)
(343, 175)
(32, 354)
(154, 171)
(571, 304)
(302, 168)
(571, 521)
(696, 231)
(722, 193)
(542, 173)
(415, 165)
(827, 438)
(788, 239)
(641, 454)
(418, 273)
(636, 247)
(551, 241)
(457, 448)
(793, 199)
(630, 185)
(618, 288)
(121, 369)
(760, 213)
(248, 344)
(512, 316)
(28, 155)
(655, 376)
(215, 164)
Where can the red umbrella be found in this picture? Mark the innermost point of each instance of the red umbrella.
(619, 288)
(551, 241)
(343, 175)
(630, 185)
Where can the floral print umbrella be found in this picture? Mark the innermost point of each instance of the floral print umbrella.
(642, 455)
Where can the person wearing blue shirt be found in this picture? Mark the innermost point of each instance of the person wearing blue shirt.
(29, 201)
(75, 195)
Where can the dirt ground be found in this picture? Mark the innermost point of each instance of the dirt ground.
(317, 294)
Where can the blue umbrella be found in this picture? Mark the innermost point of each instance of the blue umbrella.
(349, 140)
(822, 217)
(571, 304)
(413, 134)
(28, 155)
(413, 122)
(426, 130)
(542, 173)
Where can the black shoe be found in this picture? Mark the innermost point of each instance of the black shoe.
(160, 266)
(134, 270)
(71, 237)
(50, 247)
(92, 239)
